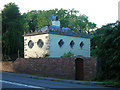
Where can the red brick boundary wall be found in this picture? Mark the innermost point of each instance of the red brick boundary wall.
(7, 66)
(53, 67)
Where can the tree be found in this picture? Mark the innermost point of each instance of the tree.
(68, 18)
(12, 31)
(43, 19)
(30, 20)
(105, 43)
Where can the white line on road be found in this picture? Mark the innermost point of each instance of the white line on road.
(19, 84)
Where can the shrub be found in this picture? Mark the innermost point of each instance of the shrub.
(69, 54)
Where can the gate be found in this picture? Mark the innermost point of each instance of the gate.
(79, 71)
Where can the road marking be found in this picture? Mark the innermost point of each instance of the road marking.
(19, 84)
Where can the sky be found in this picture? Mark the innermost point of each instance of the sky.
(100, 12)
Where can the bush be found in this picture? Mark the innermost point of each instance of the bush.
(69, 54)
(46, 55)
(106, 46)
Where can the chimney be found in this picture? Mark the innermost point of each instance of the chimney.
(56, 23)
(56, 18)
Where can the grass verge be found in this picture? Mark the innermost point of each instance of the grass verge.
(115, 84)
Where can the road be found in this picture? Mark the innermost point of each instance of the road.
(16, 80)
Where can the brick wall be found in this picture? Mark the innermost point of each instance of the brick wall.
(90, 65)
(53, 67)
(7, 66)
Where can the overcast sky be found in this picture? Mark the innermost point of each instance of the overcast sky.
(100, 12)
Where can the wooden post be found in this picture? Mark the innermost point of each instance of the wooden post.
(18, 53)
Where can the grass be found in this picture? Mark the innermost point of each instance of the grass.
(115, 84)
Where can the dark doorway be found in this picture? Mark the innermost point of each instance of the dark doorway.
(79, 72)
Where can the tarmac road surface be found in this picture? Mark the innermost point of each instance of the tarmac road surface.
(15, 80)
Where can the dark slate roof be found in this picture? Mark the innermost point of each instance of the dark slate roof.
(57, 30)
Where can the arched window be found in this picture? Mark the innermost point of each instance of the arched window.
(30, 44)
(81, 44)
(40, 43)
(72, 44)
(60, 43)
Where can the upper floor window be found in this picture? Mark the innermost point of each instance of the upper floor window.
(60, 43)
(40, 43)
(72, 44)
(30, 44)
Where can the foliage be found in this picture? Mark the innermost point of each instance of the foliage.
(6, 58)
(0, 28)
(30, 20)
(12, 31)
(69, 54)
(110, 83)
(68, 18)
(46, 55)
(105, 43)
